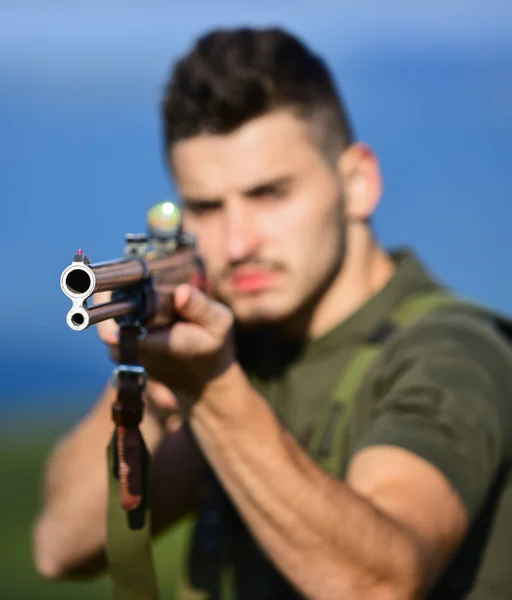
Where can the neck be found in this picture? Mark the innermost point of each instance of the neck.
(365, 270)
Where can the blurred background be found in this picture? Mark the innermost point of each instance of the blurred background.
(429, 86)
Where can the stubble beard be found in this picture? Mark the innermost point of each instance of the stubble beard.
(296, 322)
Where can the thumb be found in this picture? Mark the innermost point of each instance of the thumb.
(196, 307)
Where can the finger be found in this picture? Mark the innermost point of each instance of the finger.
(161, 397)
(195, 306)
(174, 423)
(113, 352)
(171, 342)
(101, 297)
(107, 330)
(182, 341)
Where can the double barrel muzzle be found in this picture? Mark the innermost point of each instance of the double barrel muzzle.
(80, 280)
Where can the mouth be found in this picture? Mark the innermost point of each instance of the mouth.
(253, 281)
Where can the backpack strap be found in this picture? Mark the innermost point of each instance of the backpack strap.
(328, 440)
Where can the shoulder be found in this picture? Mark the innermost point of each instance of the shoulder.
(453, 347)
(457, 323)
(442, 389)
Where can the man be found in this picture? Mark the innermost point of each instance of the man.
(281, 197)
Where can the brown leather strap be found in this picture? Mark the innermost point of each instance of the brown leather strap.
(128, 336)
(127, 415)
(129, 543)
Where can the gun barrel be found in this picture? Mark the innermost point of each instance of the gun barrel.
(80, 317)
(80, 280)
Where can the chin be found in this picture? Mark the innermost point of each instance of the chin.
(259, 314)
(257, 320)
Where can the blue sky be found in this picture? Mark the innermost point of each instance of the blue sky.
(429, 86)
(115, 41)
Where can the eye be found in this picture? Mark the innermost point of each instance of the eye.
(200, 208)
(275, 191)
(270, 191)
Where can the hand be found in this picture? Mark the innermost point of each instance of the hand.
(185, 356)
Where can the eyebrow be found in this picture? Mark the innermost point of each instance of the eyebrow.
(196, 202)
(261, 188)
(253, 191)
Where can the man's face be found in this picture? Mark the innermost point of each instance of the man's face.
(267, 212)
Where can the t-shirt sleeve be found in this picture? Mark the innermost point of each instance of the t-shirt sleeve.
(444, 392)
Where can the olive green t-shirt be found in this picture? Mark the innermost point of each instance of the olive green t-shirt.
(441, 389)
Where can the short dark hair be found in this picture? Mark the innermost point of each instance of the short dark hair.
(231, 76)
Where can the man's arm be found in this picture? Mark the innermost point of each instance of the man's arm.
(70, 532)
(419, 472)
(331, 539)
(388, 530)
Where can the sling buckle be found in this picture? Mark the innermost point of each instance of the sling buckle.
(137, 370)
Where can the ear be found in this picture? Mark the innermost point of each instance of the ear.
(362, 182)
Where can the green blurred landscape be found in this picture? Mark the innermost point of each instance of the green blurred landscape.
(23, 450)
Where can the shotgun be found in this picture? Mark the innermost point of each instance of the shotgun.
(141, 284)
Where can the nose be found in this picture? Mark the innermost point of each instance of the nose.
(242, 236)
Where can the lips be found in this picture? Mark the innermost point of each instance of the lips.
(252, 281)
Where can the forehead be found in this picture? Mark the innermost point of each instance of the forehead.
(267, 147)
